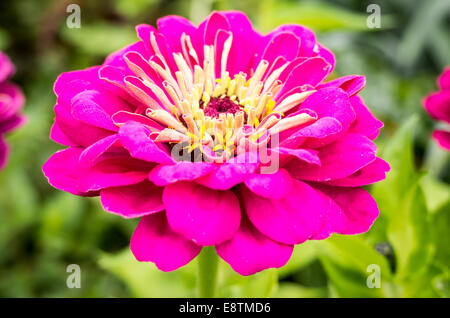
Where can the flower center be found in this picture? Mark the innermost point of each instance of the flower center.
(221, 105)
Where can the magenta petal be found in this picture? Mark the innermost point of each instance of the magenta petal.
(154, 241)
(61, 170)
(134, 200)
(230, 173)
(3, 153)
(57, 135)
(11, 123)
(351, 84)
(359, 210)
(338, 160)
(91, 153)
(284, 44)
(206, 216)
(113, 171)
(310, 72)
(327, 55)
(306, 36)
(245, 41)
(249, 251)
(173, 27)
(437, 105)
(290, 220)
(320, 133)
(274, 186)
(308, 155)
(135, 138)
(444, 79)
(443, 138)
(331, 102)
(215, 22)
(181, 171)
(7, 68)
(373, 172)
(365, 123)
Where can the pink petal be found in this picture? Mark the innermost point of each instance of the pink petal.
(338, 160)
(290, 220)
(245, 42)
(61, 170)
(443, 138)
(284, 44)
(306, 36)
(351, 84)
(57, 135)
(93, 152)
(373, 172)
(444, 79)
(173, 27)
(77, 131)
(365, 123)
(358, 211)
(181, 171)
(320, 133)
(7, 68)
(134, 200)
(215, 22)
(327, 55)
(135, 138)
(230, 173)
(331, 102)
(122, 117)
(11, 123)
(206, 216)
(4, 150)
(113, 171)
(310, 72)
(249, 251)
(154, 241)
(274, 186)
(437, 105)
(12, 100)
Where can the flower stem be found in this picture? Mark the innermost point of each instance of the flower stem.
(207, 272)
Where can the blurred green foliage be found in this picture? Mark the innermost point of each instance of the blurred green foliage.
(43, 230)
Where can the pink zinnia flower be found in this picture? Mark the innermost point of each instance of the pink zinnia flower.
(437, 105)
(11, 102)
(221, 94)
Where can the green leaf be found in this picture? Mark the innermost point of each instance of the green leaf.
(99, 39)
(145, 280)
(303, 255)
(349, 262)
(259, 285)
(437, 193)
(409, 233)
(440, 223)
(390, 192)
(292, 290)
(319, 16)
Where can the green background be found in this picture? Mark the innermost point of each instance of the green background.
(42, 230)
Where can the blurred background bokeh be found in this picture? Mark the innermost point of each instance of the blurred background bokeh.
(43, 230)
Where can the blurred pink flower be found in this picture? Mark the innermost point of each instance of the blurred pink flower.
(11, 102)
(437, 104)
(219, 93)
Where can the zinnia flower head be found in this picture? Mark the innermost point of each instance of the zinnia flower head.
(437, 104)
(219, 136)
(11, 102)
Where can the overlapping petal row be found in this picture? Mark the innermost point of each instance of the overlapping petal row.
(220, 92)
(11, 102)
(437, 105)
